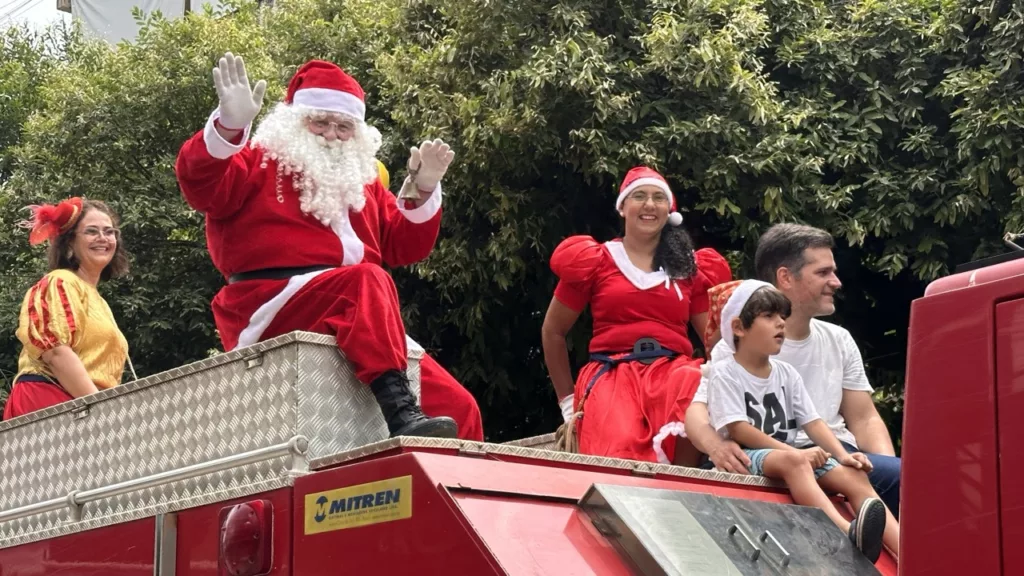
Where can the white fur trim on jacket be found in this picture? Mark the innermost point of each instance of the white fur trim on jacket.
(331, 101)
(265, 314)
(216, 145)
(425, 212)
(670, 429)
(352, 248)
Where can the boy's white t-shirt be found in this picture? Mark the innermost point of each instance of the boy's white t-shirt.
(777, 405)
(829, 362)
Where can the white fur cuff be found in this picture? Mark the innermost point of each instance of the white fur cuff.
(216, 145)
(670, 429)
(567, 406)
(425, 212)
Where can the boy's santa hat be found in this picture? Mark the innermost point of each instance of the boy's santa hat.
(644, 176)
(734, 306)
(324, 86)
(718, 296)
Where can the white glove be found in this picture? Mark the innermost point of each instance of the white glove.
(239, 104)
(566, 405)
(429, 162)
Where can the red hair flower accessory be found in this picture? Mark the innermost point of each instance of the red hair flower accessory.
(49, 221)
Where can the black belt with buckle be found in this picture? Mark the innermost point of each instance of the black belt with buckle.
(275, 273)
(644, 347)
(645, 350)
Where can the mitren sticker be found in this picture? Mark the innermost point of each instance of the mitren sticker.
(362, 505)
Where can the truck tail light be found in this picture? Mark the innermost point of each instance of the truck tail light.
(245, 539)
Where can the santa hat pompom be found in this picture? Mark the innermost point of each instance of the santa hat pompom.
(675, 218)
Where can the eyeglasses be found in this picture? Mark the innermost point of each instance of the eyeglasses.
(319, 126)
(640, 197)
(94, 232)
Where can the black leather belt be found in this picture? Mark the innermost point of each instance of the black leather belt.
(275, 273)
(645, 351)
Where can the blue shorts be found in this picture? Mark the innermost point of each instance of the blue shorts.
(757, 462)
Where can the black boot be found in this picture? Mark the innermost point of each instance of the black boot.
(402, 413)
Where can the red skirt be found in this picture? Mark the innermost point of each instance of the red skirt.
(635, 410)
(29, 396)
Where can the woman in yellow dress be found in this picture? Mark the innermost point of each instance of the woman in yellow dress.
(71, 345)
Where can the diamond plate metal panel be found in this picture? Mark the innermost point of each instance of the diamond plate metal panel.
(232, 403)
(543, 442)
(328, 395)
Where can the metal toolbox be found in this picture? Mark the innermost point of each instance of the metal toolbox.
(263, 411)
(674, 532)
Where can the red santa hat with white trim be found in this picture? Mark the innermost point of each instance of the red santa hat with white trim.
(321, 85)
(644, 176)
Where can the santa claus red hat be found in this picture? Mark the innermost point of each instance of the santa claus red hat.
(324, 86)
(644, 176)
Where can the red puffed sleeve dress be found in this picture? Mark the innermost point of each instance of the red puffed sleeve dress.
(634, 410)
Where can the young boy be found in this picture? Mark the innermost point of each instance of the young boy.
(761, 402)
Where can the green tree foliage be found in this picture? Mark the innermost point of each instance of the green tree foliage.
(26, 59)
(895, 124)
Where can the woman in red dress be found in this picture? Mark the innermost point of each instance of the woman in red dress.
(644, 289)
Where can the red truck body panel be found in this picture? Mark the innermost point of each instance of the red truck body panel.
(199, 535)
(434, 539)
(128, 549)
(961, 500)
(483, 515)
(119, 550)
(1010, 427)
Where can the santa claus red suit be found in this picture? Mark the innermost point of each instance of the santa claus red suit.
(631, 398)
(299, 224)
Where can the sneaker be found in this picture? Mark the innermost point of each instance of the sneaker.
(867, 528)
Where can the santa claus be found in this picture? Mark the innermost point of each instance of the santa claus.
(299, 224)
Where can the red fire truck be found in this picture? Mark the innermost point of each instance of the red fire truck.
(273, 460)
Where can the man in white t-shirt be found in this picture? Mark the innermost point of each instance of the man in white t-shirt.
(798, 260)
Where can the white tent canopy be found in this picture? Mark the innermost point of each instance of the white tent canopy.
(112, 20)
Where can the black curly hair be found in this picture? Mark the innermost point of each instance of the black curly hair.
(675, 252)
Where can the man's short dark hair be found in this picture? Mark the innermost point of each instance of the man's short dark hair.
(783, 245)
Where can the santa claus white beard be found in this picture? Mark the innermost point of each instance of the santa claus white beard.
(329, 176)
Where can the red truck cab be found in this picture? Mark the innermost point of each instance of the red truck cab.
(961, 503)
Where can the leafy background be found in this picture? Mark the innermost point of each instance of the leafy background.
(895, 124)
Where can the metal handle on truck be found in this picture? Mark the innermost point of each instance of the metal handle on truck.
(736, 528)
(785, 555)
